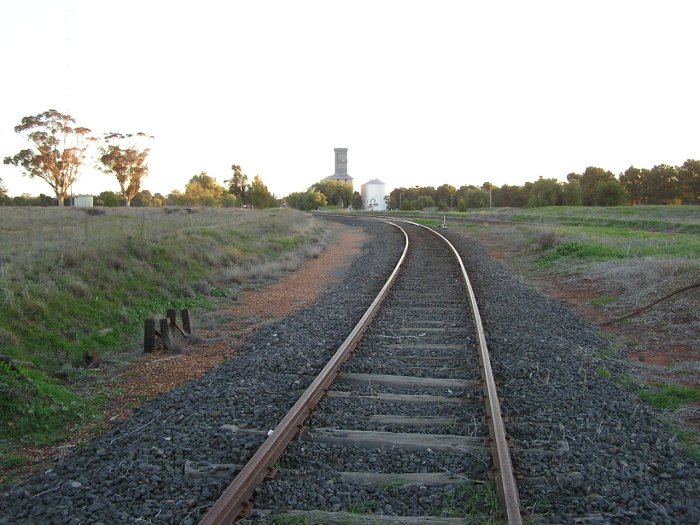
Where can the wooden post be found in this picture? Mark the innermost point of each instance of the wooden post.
(186, 321)
(165, 333)
(172, 316)
(149, 335)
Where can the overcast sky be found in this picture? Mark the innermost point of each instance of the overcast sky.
(421, 93)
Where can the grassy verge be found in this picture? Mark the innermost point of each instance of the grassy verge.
(72, 282)
(617, 260)
(669, 219)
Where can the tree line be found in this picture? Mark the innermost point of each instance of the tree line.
(59, 148)
(324, 193)
(662, 184)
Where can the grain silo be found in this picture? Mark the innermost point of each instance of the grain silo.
(373, 195)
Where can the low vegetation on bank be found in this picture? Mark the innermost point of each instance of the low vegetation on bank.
(619, 260)
(75, 282)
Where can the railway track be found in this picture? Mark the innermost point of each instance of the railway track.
(406, 424)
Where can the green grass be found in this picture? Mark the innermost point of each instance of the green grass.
(470, 500)
(72, 282)
(595, 244)
(603, 372)
(666, 396)
(362, 507)
(389, 485)
(612, 351)
(286, 519)
(674, 219)
(603, 300)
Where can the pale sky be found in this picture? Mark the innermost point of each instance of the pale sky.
(421, 93)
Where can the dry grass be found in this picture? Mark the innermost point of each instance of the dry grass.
(72, 282)
(622, 269)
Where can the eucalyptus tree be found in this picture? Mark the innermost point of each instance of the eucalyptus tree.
(124, 156)
(238, 184)
(58, 151)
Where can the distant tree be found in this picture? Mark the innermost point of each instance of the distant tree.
(446, 194)
(571, 193)
(610, 193)
(22, 200)
(689, 181)
(357, 201)
(238, 184)
(59, 150)
(631, 181)
(489, 189)
(545, 192)
(203, 190)
(660, 185)
(108, 198)
(294, 199)
(337, 192)
(142, 199)
(510, 196)
(229, 200)
(259, 196)
(589, 180)
(309, 200)
(159, 200)
(44, 200)
(175, 198)
(3, 190)
(476, 198)
(424, 201)
(124, 156)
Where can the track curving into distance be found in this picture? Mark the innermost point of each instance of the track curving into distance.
(399, 421)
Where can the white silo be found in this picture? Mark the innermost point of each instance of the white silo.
(373, 194)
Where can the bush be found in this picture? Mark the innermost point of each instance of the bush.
(547, 239)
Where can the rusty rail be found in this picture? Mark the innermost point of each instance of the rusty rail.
(236, 500)
(506, 488)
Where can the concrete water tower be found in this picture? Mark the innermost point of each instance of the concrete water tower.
(373, 193)
(341, 166)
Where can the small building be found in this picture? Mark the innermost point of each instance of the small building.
(374, 195)
(82, 201)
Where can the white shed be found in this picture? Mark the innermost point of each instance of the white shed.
(82, 201)
(373, 194)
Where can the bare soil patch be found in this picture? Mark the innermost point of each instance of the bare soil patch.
(221, 333)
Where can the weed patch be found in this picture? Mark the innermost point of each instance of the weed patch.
(666, 396)
(603, 300)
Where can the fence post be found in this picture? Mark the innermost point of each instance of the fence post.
(165, 333)
(186, 321)
(149, 335)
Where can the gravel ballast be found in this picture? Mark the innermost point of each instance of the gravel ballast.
(616, 462)
(584, 446)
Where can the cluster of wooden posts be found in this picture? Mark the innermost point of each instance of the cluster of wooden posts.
(169, 331)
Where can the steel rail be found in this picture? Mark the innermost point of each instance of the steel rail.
(506, 488)
(236, 500)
